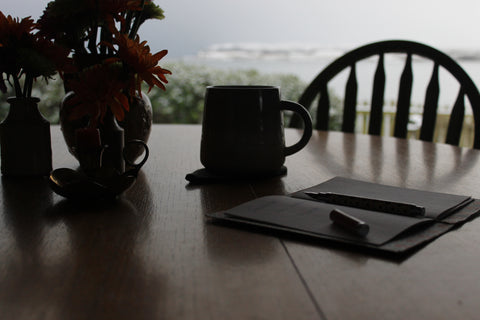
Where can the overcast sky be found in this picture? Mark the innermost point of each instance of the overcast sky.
(192, 25)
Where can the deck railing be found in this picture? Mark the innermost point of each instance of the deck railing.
(466, 139)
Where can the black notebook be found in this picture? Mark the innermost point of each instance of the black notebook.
(300, 213)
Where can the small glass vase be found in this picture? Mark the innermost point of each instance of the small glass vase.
(113, 142)
(25, 140)
(137, 124)
(100, 150)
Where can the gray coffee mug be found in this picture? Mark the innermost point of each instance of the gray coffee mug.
(243, 133)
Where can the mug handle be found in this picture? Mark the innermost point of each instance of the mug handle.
(307, 120)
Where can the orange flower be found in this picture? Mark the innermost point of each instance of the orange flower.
(13, 30)
(55, 57)
(24, 53)
(137, 57)
(96, 89)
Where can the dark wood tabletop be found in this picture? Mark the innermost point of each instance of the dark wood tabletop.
(153, 255)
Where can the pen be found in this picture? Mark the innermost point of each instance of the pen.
(400, 208)
(349, 222)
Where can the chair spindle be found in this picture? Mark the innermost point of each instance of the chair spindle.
(376, 112)
(430, 107)
(403, 103)
(323, 109)
(455, 123)
(350, 103)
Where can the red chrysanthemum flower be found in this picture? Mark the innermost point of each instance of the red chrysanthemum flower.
(140, 62)
(13, 30)
(23, 53)
(96, 89)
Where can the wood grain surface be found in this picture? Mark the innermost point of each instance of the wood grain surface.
(153, 255)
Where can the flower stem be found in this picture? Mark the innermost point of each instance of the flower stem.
(128, 23)
(27, 90)
(103, 37)
(18, 88)
(137, 21)
(92, 41)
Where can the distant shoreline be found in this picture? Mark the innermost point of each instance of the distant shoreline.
(286, 51)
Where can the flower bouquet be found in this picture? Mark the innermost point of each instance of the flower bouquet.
(25, 55)
(110, 63)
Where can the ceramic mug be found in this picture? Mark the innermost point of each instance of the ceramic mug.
(243, 132)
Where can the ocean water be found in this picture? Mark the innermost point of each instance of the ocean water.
(308, 69)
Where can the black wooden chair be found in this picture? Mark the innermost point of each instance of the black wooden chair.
(318, 87)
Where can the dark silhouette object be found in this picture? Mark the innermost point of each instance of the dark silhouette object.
(467, 88)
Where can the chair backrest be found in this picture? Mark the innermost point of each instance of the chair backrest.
(318, 87)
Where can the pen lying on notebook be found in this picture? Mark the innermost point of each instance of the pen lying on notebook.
(400, 208)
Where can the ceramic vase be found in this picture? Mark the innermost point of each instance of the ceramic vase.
(25, 140)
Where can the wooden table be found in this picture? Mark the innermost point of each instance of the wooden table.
(152, 255)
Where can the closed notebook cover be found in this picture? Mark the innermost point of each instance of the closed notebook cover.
(437, 205)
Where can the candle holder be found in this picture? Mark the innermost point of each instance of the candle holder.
(102, 183)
